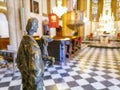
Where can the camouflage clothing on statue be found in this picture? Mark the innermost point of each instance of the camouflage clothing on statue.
(29, 59)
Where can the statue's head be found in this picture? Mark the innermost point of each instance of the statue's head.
(32, 26)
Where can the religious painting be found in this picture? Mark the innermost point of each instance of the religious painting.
(36, 7)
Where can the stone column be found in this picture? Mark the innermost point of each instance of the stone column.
(88, 9)
(14, 19)
(12, 23)
(18, 20)
(26, 6)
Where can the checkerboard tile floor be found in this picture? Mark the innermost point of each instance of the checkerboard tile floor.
(91, 69)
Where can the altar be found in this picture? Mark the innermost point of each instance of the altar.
(105, 39)
(106, 26)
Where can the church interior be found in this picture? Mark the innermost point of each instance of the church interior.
(86, 42)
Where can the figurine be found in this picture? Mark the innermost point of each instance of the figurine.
(29, 59)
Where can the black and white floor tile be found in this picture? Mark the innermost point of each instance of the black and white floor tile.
(91, 69)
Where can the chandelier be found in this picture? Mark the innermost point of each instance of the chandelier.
(59, 10)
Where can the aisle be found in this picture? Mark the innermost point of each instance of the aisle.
(91, 69)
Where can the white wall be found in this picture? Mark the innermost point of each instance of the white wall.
(29, 14)
(4, 32)
(53, 4)
(44, 6)
(3, 26)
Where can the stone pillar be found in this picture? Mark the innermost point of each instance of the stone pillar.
(88, 9)
(18, 20)
(86, 22)
(11, 22)
(26, 6)
(15, 32)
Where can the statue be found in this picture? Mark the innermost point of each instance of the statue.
(43, 43)
(29, 59)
